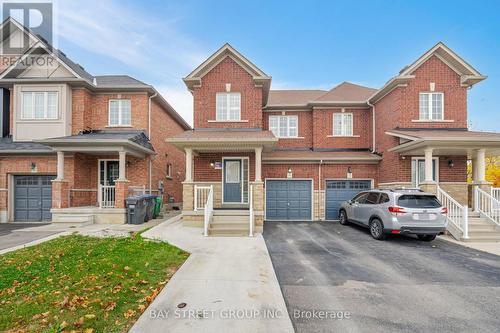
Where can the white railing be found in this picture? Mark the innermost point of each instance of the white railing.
(209, 210)
(487, 205)
(200, 196)
(495, 193)
(458, 214)
(250, 212)
(106, 196)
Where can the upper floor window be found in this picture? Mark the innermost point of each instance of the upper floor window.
(120, 112)
(431, 106)
(342, 124)
(228, 106)
(284, 126)
(39, 105)
(169, 170)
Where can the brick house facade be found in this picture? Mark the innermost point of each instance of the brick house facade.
(104, 141)
(308, 150)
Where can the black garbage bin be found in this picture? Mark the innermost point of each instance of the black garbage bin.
(149, 202)
(136, 210)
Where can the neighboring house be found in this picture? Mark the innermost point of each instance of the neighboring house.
(74, 145)
(302, 152)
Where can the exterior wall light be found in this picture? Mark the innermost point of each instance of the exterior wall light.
(33, 167)
(451, 164)
(212, 163)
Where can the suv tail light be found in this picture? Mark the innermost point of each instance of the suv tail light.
(397, 210)
(444, 210)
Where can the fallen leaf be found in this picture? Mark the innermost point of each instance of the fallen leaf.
(129, 313)
(89, 316)
(110, 306)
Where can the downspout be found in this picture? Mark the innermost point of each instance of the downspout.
(373, 124)
(319, 189)
(149, 135)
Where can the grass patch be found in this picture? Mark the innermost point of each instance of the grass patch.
(83, 283)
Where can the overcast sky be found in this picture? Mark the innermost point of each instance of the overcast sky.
(309, 44)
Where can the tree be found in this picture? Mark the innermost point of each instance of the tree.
(492, 171)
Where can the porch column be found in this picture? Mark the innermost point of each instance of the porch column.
(189, 165)
(60, 165)
(258, 164)
(428, 165)
(481, 166)
(122, 165)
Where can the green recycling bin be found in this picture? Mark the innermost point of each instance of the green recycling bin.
(158, 201)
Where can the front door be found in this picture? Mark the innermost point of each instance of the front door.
(232, 181)
(418, 171)
(109, 172)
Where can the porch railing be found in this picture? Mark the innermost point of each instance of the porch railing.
(487, 205)
(495, 193)
(200, 196)
(106, 196)
(458, 215)
(250, 211)
(208, 211)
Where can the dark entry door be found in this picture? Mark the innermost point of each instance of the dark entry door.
(110, 171)
(232, 181)
(32, 198)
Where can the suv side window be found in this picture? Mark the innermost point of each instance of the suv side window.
(372, 198)
(360, 198)
(383, 198)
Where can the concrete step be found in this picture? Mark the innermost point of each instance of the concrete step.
(233, 232)
(480, 220)
(482, 227)
(230, 218)
(485, 238)
(76, 219)
(231, 212)
(229, 225)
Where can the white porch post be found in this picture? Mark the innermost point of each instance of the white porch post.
(60, 165)
(428, 165)
(481, 166)
(189, 165)
(474, 169)
(122, 165)
(258, 164)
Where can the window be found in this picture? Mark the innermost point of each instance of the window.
(383, 198)
(418, 201)
(284, 126)
(39, 105)
(372, 198)
(228, 106)
(232, 172)
(169, 170)
(342, 124)
(360, 198)
(431, 106)
(120, 112)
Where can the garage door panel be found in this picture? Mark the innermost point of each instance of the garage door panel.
(32, 198)
(338, 191)
(288, 199)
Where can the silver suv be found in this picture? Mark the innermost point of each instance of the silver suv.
(399, 211)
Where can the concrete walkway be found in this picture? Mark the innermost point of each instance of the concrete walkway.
(228, 285)
(490, 247)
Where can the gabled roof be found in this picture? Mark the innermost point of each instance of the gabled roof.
(347, 92)
(292, 97)
(468, 74)
(260, 78)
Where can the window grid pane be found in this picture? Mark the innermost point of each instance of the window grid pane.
(273, 125)
(234, 103)
(52, 105)
(283, 126)
(114, 118)
(424, 107)
(437, 111)
(292, 126)
(125, 112)
(27, 112)
(337, 124)
(39, 105)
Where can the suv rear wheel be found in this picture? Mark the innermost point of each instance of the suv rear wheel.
(377, 229)
(343, 218)
(426, 238)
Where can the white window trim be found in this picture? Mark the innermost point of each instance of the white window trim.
(429, 105)
(228, 111)
(45, 106)
(120, 124)
(342, 126)
(288, 136)
(422, 158)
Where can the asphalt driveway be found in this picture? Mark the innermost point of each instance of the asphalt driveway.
(401, 284)
(14, 234)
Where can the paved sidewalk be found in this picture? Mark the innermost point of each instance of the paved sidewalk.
(224, 279)
(490, 247)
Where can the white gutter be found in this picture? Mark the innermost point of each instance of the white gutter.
(319, 189)
(373, 124)
(149, 135)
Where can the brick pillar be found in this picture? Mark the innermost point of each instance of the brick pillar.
(258, 202)
(121, 193)
(188, 196)
(60, 193)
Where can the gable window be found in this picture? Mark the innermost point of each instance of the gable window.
(342, 124)
(120, 112)
(284, 126)
(228, 106)
(41, 105)
(431, 106)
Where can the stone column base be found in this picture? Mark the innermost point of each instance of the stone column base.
(258, 196)
(60, 193)
(187, 196)
(121, 193)
(429, 187)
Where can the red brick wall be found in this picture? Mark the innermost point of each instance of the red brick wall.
(323, 128)
(305, 129)
(448, 82)
(227, 71)
(328, 171)
(204, 172)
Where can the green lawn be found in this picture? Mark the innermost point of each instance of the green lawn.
(85, 284)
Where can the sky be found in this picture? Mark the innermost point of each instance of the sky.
(301, 44)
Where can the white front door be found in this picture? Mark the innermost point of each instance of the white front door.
(418, 170)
